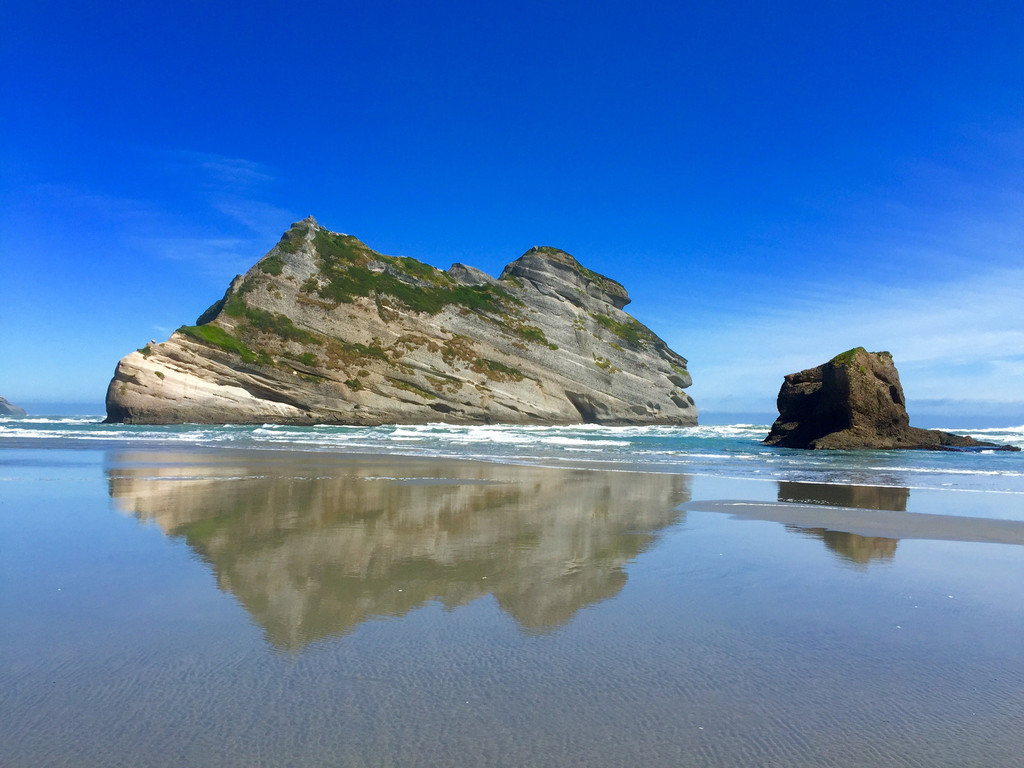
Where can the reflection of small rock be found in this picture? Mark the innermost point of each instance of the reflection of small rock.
(850, 546)
(857, 496)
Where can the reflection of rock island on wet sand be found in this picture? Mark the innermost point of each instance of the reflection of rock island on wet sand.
(314, 545)
(856, 496)
(849, 546)
(862, 523)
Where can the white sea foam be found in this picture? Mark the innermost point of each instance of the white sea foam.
(50, 420)
(720, 450)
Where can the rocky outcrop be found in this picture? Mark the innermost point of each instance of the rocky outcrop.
(325, 330)
(855, 400)
(10, 409)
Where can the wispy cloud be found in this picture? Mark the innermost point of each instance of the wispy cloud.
(929, 270)
(216, 257)
(221, 171)
(964, 338)
(265, 220)
(225, 197)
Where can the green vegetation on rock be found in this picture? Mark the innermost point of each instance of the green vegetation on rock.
(342, 354)
(216, 336)
(534, 334)
(293, 238)
(631, 332)
(268, 322)
(272, 265)
(346, 263)
(496, 371)
(214, 309)
(847, 357)
(279, 325)
(410, 387)
(605, 364)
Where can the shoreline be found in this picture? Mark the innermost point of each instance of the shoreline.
(871, 523)
(285, 447)
(864, 519)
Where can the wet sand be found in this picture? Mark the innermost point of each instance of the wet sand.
(244, 608)
(872, 523)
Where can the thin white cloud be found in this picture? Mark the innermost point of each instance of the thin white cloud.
(216, 257)
(265, 220)
(930, 270)
(222, 170)
(963, 338)
(225, 196)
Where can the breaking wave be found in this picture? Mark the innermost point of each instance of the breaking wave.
(723, 450)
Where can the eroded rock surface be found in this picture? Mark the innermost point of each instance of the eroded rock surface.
(10, 409)
(855, 400)
(325, 330)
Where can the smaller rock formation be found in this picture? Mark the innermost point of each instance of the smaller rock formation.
(10, 409)
(855, 400)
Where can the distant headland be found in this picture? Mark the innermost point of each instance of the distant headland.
(10, 409)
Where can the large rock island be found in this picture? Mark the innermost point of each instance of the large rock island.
(325, 330)
(855, 400)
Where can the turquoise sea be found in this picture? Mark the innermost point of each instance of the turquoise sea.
(727, 451)
(504, 596)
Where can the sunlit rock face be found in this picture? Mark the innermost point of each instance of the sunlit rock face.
(324, 329)
(855, 401)
(312, 548)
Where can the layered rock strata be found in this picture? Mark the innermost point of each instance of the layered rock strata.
(855, 400)
(325, 330)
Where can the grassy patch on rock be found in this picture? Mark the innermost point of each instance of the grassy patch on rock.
(353, 270)
(631, 331)
(272, 265)
(534, 334)
(410, 387)
(216, 336)
(268, 322)
(293, 238)
(496, 371)
(847, 357)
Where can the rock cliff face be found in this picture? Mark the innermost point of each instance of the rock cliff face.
(855, 400)
(10, 409)
(325, 330)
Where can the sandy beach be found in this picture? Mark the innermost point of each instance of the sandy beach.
(235, 607)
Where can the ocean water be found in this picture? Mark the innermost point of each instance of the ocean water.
(729, 451)
(503, 596)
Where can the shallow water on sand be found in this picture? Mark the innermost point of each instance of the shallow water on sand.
(183, 606)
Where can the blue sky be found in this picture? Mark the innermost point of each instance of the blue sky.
(773, 183)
